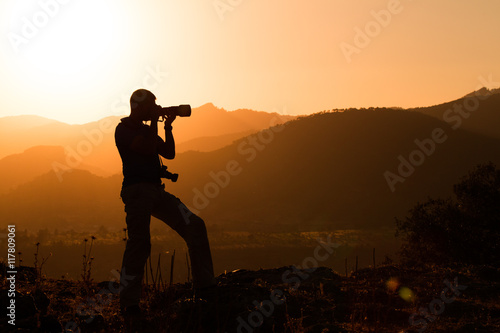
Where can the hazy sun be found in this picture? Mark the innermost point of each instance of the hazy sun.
(66, 46)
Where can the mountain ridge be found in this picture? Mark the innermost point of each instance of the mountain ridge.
(205, 121)
(330, 169)
(480, 116)
(301, 176)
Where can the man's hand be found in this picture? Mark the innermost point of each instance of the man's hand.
(169, 120)
(168, 149)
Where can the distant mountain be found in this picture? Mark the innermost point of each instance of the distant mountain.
(353, 169)
(15, 123)
(21, 168)
(93, 143)
(210, 121)
(478, 112)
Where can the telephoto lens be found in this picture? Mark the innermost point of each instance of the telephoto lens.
(181, 110)
(184, 110)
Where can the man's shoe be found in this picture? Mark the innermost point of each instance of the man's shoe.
(133, 318)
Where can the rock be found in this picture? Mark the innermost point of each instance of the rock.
(457, 308)
(50, 324)
(94, 323)
(489, 273)
(471, 327)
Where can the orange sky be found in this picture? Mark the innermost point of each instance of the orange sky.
(78, 61)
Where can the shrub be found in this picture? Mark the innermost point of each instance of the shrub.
(464, 229)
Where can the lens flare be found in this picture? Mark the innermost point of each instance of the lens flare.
(392, 284)
(406, 294)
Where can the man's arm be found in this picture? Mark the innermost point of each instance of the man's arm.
(167, 149)
(153, 144)
(149, 143)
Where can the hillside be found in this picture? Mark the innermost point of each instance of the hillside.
(211, 143)
(81, 201)
(479, 115)
(320, 172)
(328, 171)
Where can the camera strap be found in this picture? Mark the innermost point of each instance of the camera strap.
(161, 162)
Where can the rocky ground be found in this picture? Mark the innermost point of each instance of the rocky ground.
(390, 298)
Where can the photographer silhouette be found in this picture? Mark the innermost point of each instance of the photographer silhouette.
(144, 196)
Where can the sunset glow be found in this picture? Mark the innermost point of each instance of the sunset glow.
(263, 56)
(250, 166)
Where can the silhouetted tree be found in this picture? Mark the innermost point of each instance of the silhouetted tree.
(464, 230)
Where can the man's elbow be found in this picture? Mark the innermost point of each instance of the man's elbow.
(169, 155)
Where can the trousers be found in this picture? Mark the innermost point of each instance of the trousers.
(143, 200)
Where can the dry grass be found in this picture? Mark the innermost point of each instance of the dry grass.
(323, 302)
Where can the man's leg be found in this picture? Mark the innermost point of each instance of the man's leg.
(138, 208)
(192, 229)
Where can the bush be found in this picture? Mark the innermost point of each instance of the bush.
(462, 230)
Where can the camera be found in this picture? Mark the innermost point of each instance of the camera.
(164, 173)
(183, 110)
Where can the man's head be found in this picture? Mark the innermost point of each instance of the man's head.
(142, 104)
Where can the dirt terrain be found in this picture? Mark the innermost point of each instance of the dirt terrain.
(389, 298)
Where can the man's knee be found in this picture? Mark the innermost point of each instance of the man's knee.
(186, 215)
(139, 243)
(198, 224)
(196, 232)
